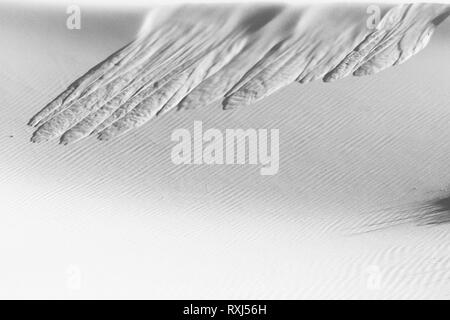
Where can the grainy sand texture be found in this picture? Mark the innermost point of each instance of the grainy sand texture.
(360, 205)
(192, 55)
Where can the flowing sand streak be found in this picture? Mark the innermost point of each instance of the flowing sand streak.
(74, 90)
(199, 63)
(171, 94)
(96, 98)
(190, 56)
(158, 64)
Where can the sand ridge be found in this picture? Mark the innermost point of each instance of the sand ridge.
(197, 54)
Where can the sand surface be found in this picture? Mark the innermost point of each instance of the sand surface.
(358, 209)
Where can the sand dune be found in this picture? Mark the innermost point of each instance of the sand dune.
(245, 53)
(358, 209)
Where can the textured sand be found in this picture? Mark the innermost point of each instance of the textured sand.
(193, 55)
(363, 171)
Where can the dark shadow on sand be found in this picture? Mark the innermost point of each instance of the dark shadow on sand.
(429, 213)
(436, 212)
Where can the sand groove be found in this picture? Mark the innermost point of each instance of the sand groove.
(196, 55)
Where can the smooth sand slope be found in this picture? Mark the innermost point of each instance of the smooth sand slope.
(357, 210)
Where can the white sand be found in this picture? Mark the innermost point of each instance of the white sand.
(193, 56)
(348, 216)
